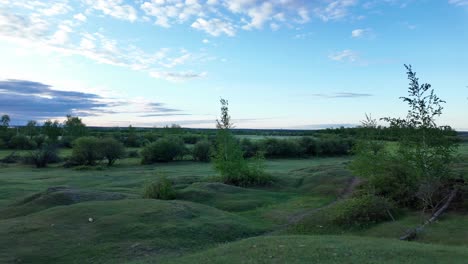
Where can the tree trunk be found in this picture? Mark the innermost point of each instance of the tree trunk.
(410, 235)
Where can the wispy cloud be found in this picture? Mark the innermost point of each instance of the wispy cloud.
(345, 55)
(343, 95)
(361, 33)
(459, 2)
(29, 100)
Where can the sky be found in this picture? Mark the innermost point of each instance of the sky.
(283, 64)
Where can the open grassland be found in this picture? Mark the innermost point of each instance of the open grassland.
(96, 215)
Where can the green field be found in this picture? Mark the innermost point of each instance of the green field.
(45, 217)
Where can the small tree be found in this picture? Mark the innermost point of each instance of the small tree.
(74, 127)
(5, 121)
(43, 156)
(421, 165)
(112, 150)
(31, 129)
(229, 159)
(87, 151)
(202, 151)
(52, 130)
(163, 150)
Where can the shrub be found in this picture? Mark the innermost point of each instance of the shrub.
(163, 150)
(360, 211)
(202, 151)
(276, 148)
(111, 149)
(22, 142)
(161, 189)
(86, 151)
(133, 154)
(191, 138)
(11, 158)
(249, 147)
(311, 146)
(43, 156)
(334, 146)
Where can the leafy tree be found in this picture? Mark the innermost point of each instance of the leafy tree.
(112, 150)
(43, 156)
(31, 129)
(5, 121)
(163, 150)
(421, 164)
(202, 151)
(74, 127)
(229, 160)
(52, 130)
(86, 151)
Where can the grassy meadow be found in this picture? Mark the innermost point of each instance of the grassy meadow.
(97, 215)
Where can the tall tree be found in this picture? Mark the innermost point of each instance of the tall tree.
(5, 121)
(229, 160)
(420, 167)
(74, 127)
(52, 130)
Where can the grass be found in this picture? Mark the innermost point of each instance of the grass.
(121, 230)
(208, 222)
(326, 249)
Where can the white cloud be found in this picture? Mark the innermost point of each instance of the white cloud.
(176, 76)
(335, 10)
(80, 17)
(459, 2)
(214, 27)
(114, 8)
(59, 8)
(205, 41)
(168, 12)
(360, 32)
(345, 55)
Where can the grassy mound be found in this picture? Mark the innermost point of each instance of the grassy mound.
(228, 197)
(326, 249)
(56, 196)
(117, 231)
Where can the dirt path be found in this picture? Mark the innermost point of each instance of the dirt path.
(296, 218)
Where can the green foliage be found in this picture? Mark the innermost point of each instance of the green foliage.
(133, 154)
(22, 142)
(43, 156)
(111, 149)
(163, 150)
(86, 151)
(11, 158)
(276, 148)
(74, 127)
(229, 159)
(202, 151)
(161, 189)
(52, 130)
(420, 167)
(360, 211)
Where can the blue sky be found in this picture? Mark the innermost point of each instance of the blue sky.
(280, 63)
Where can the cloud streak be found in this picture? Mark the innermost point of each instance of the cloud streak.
(28, 100)
(343, 95)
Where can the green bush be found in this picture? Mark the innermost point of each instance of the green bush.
(249, 147)
(43, 156)
(86, 151)
(161, 189)
(163, 150)
(202, 151)
(280, 148)
(21, 142)
(11, 158)
(111, 149)
(133, 154)
(360, 211)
